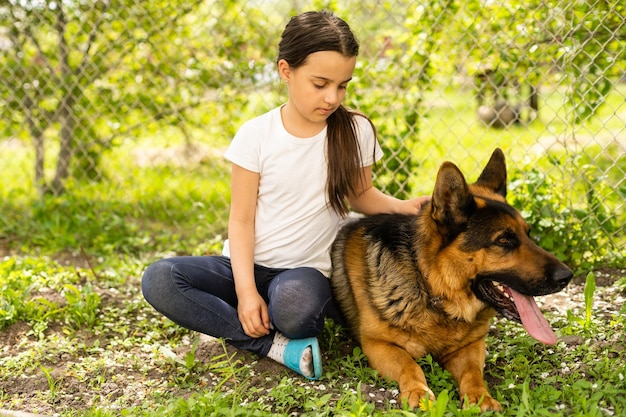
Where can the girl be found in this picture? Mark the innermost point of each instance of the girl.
(296, 172)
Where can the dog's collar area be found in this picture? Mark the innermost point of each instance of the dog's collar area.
(436, 304)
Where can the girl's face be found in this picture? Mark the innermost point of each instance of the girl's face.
(316, 89)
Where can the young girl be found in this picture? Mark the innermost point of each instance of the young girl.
(296, 172)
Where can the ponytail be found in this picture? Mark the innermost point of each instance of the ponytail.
(344, 158)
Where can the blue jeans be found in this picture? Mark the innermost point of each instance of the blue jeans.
(198, 292)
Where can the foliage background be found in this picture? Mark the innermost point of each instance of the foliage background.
(97, 95)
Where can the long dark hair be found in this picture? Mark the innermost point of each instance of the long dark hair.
(312, 32)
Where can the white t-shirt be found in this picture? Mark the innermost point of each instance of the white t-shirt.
(294, 225)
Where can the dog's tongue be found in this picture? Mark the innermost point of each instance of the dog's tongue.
(533, 320)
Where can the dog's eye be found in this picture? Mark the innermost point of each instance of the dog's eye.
(507, 240)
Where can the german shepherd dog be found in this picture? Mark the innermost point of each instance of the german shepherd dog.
(411, 285)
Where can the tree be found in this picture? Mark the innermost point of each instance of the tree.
(83, 73)
(533, 41)
(591, 50)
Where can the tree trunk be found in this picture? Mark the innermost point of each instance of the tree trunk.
(38, 143)
(66, 150)
(65, 110)
(533, 101)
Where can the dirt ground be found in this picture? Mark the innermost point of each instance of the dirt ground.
(131, 385)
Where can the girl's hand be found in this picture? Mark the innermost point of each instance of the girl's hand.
(253, 315)
(419, 202)
(413, 205)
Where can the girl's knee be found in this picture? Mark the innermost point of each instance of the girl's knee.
(155, 280)
(297, 306)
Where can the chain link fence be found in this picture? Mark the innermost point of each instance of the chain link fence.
(124, 108)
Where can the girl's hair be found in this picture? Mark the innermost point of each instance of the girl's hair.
(312, 32)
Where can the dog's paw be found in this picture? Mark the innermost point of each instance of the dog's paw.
(413, 396)
(489, 404)
(484, 401)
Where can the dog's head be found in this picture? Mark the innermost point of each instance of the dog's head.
(504, 266)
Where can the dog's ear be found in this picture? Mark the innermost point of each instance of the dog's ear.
(493, 176)
(452, 202)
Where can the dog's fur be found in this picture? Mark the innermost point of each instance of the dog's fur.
(430, 283)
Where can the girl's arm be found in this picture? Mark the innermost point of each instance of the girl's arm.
(251, 307)
(369, 200)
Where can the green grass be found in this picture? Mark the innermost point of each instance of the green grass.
(93, 341)
(136, 210)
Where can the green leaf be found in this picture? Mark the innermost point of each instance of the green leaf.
(590, 288)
